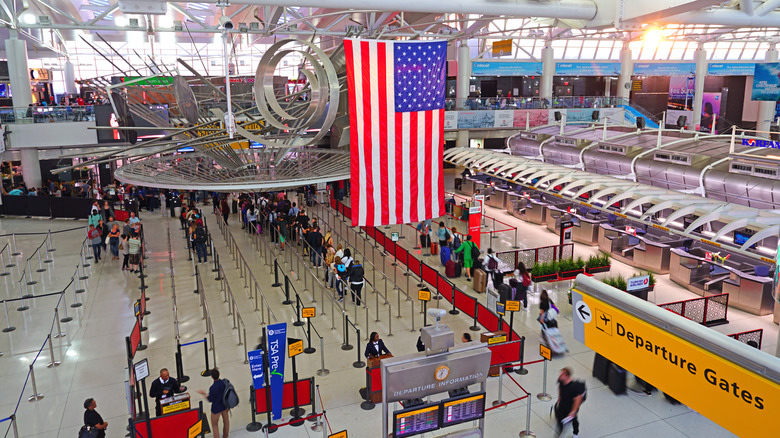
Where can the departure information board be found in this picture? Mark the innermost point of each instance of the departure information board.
(466, 408)
(416, 420)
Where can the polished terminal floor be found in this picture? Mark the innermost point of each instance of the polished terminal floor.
(94, 360)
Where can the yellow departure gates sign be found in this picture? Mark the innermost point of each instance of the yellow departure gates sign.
(739, 399)
(502, 47)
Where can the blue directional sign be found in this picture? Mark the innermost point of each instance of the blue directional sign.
(256, 367)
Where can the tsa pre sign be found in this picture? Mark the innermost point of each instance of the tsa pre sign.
(738, 399)
(277, 340)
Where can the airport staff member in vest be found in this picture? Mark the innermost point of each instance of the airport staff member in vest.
(375, 347)
(164, 387)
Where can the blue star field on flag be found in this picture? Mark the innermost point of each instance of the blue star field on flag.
(420, 75)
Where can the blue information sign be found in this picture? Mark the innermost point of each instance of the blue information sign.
(256, 367)
(664, 68)
(587, 68)
(766, 82)
(731, 69)
(277, 344)
(506, 68)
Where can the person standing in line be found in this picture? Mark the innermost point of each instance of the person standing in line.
(316, 240)
(113, 241)
(571, 394)
(200, 243)
(443, 235)
(124, 245)
(355, 275)
(218, 407)
(94, 239)
(93, 419)
(468, 260)
(224, 208)
(134, 245)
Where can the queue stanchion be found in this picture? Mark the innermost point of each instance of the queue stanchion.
(49, 243)
(30, 282)
(3, 264)
(475, 326)
(8, 327)
(346, 346)
(22, 306)
(66, 318)
(276, 274)
(322, 371)
(207, 371)
(35, 395)
(180, 365)
(544, 396)
(522, 371)
(287, 301)
(254, 426)
(13, 239)
(318, 425)
(52, 361)
(83, 275)
(298, 322)
(59, 333)
(527, 432)
(40, 263)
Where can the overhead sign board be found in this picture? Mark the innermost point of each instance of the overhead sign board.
(664, 68)
(506, 68)
(587, 69)
(766, 82)
(406, 379)
(731, 69)
(502, 47)
(729, 382)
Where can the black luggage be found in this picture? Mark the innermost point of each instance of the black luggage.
(601, 368)
(458, 269)
(616, 379)
(504, 293)
(425, 241)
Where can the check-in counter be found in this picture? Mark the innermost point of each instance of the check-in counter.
(748, 292)
(535, 211)
(467, 187)
(497, 197)
(586, 230)
(555, 215)
(650, 251)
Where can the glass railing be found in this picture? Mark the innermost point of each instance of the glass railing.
(47, 114)
(511, 103)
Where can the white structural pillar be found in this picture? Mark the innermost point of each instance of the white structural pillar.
(626, 70)
(766, 110)
(607, 86)
(700, 56)
(31, 167)
(18, 72)
(462, 83)
(548, 73)
(69, 75)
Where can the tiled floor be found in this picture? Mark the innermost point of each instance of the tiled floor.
(93, 352)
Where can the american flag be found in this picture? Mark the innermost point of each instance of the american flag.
(396, 119)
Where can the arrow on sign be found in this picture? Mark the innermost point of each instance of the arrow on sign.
(583, 309)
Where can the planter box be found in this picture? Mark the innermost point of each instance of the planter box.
(597, 269)
(568, 275)
(543, 278)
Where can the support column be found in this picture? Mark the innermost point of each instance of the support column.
(463, 79)
(31, 167)
(700, 56)
(548, 73)
(69, 75)
(607, 86)
(18, 72)
(766, 110)
(626, 70)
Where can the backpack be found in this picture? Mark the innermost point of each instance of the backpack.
(474, 251)
(456, 241)
(229, 395)
(492, 264)
(200, 235)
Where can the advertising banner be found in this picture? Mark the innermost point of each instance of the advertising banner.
(766, 82)
(277, 339)
(475, 222)
(476, 119)
(450, 120)
(664, 68)
(256, 367)
(538, 117)
(587, 69)
(504, 68)
(680, 93)
(731, 68)
(503, 119)
(710, 110)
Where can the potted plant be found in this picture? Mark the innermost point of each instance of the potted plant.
(619, 282)
(569, 268)
(544, 272)
(651, 280)
(597, 263)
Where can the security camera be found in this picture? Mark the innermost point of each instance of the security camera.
(225, 22)
(438, 314)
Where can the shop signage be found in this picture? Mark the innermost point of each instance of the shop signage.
(710, 375)
(758, 143)
(637, 283)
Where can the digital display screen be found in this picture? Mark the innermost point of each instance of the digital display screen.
(742, 238)
(461, 409)
(416, 420)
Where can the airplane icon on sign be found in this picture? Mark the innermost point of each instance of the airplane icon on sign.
(605, 318)
(604, 322)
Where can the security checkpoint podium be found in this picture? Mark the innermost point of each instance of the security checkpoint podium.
(374, 378)
(179, 402)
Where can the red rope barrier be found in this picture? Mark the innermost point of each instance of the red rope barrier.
(506, 403)
(322, 406)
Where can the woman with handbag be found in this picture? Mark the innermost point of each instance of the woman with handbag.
(94, 426)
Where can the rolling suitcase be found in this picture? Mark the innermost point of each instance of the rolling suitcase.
(601, 368)
(450, 269)
(554, 340)
(616, 379)
(505, 293)
(445, 254)
(434, 248)
(480, 280)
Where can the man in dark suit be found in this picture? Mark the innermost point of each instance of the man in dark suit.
(164, 387)
(375, 346)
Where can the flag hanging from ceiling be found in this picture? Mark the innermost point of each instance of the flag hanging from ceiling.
(396, 120)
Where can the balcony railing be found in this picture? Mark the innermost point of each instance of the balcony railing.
(513, 103)
(46, 114)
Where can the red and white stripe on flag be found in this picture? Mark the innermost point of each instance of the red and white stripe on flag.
(396, 157)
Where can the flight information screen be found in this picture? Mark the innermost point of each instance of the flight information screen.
(416, 420)
(466, 408)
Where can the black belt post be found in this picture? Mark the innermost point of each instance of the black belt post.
(298, 322)
(522, 371)
(254, 426)
(309, 349)
(276, 274)
(296, 412)
(511, 322)
(358, 363)
(346, 346)
(367, 404)
(454, 310)
(207, 371)
(287, 301)
(216, 267)
(180, 365)
(475, 327)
